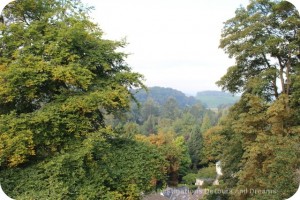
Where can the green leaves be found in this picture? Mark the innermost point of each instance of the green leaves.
(73, 76)
(232, 80)
(59, 76)
(17, 143)
(262, 127)
(59, 79)
(96, 169)
(261, 38)
(175, 153)
(256, 142)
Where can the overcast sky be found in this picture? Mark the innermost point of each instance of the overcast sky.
(173, 43)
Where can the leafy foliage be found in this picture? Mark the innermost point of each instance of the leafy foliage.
(190, 178)
(175, 152)
(149, 117)
(264, 40)
(58, 77)
(59, 80)
(207, 172)
(118, 169)
(257, 141)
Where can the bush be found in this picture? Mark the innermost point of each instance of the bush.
(189, 179)
(121, 169)
(207, 172)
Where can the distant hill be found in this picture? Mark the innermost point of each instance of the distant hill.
(161, 95)
(214, 99)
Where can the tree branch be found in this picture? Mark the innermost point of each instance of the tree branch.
(281, 74)
(274, 85)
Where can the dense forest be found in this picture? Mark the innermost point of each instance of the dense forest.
(77, 123)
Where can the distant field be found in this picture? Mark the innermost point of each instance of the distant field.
(214, 99)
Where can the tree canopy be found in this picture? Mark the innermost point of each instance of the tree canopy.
(58, 78)
(257, 141)
(264, 40)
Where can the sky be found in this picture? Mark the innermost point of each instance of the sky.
(173, 43)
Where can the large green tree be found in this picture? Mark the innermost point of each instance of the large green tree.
(58, 80)
(257, 141)
(263, 38)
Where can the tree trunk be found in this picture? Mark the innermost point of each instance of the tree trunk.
(281, 75)
(288, 81)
